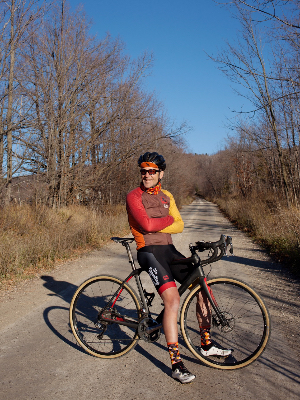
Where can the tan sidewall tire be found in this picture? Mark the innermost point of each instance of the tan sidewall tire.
(134, 296)
(204, 360)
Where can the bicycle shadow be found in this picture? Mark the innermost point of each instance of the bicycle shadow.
(56, 326)
(61, 289)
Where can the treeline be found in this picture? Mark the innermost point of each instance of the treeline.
(73, 110)
(256, 178)
(262, 155)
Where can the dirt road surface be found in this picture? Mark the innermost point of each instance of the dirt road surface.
(39, 358)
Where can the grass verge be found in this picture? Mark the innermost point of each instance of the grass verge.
(33, 239)
(274, 227)
(36, 238)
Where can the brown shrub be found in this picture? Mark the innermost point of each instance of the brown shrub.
(34, 237)
(269, 223)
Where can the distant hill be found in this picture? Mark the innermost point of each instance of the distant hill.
(29, 189)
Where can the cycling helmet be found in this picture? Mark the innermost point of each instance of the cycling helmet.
(153, 158)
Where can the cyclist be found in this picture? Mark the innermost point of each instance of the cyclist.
(153, 217)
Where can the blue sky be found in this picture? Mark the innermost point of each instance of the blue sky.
(185, 80)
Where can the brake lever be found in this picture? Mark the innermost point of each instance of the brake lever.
(228, 243)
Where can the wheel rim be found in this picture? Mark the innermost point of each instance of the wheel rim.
(97, 336)
(247, 331)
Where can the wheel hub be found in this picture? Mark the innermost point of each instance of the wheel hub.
(229, 324)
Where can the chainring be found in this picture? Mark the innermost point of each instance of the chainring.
(144, 324)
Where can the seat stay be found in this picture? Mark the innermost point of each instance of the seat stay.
(110, 304)
(136, 274)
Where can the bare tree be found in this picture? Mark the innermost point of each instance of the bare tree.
(279, 11)
(245, 65)
(90, 116)
(18, 16)
(74, 111)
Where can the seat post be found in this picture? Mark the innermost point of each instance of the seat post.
(129, 253)
(137, 278)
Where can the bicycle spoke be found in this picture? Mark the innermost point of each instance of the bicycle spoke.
(95, 325)
(247, 329)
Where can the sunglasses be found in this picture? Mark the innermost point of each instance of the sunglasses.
(150, 171)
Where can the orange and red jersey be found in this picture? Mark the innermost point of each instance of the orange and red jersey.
(153, 217)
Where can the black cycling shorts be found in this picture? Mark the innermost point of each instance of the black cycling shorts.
(157, 259)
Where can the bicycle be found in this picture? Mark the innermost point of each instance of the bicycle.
(107, 317)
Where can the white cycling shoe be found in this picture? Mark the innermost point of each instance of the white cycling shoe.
(216, 351)
(182, 374)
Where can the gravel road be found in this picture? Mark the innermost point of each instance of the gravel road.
(39, 358)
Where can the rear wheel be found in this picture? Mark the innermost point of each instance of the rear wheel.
(97, 330)
(247, 328)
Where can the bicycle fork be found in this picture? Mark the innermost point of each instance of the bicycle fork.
(208, 292)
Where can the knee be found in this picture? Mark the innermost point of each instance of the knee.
(172, 302)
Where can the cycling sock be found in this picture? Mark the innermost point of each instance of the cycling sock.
(174, 352)
(206, 343)
(179, 364)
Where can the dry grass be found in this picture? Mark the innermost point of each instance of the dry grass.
(275, 227)
(37, 237)
(181, 202)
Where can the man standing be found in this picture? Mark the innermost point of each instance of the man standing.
(153, 216)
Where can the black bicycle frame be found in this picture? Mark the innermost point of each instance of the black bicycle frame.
(198, 273)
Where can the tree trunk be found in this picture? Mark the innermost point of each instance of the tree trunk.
(9, 105)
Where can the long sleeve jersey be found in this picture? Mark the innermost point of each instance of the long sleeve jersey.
(153, 218)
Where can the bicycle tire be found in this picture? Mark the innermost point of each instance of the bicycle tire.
(104, 340)
(248, 327)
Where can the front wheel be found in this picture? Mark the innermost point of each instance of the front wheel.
(245, 329)
(96, 308)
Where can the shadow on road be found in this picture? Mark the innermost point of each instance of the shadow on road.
(56, 327)
(61, 328)
(265, 265)
(61, 289)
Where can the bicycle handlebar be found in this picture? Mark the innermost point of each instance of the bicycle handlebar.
(219, 249)
(201, 246)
